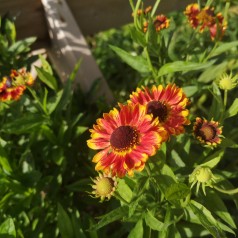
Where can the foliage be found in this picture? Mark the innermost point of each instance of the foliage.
(187, 189)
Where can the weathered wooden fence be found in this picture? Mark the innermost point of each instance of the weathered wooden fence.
(60, 27)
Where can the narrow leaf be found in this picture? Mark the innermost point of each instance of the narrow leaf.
(110, 217)
(136, 62)
(64, 223)
(47, 78)
(182, 66)
(224, 47)
(137, 231)
(7, 229)
(153, 222)
(124, 190)
(233, 109)
(206, 218)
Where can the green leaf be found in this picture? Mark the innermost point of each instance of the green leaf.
(49, 134)
(80, 130)
(22, 46)
(214, 159)
(177, 191)
(212, 72)
(178, 66)
(77, 226)
(136, 62)
(10, 30)
(110, 217)
(124, 190)
(54, 101)
(5, 199)
(137, 231)
(224, 47)
(153, 222)
(45, 65)
(47, 78)
(226, 142)
(4, 161)
(206, 219)
(232, 110)
(216, 204)
(138, 36)
(65, 99)
(73, 74)
(64, 223)
(7, 229)
(190, 90)
(217, 108)
(81, 185)
(25, 124)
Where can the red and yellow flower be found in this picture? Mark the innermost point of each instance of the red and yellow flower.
(161, 22)
(168, 105)
(206, 18)
(207, 132)
(11, 88)
(126, 138)
(10, 92)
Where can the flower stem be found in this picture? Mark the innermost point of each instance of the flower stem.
(135, 14)
(132, 5)
(225, 98)
(155, 8)
(231, 191)
(149, 62)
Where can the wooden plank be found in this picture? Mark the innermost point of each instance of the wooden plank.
(69, 45)
(30, 19)
(93, 16)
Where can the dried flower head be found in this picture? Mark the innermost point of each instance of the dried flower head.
(104, 186)
(207, 132)
(202, 175)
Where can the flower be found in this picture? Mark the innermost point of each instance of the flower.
(202, 175)
(228, 82)
(206, 18)
(21, 77)
(11, 88)
(191, 12)
(161, 22)
(207, 132)
(9, 92)
(104, 186)
(126, 138)
(166, 104)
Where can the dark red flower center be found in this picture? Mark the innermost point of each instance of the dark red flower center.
(123, 138)
(158, 109)
(207, 132)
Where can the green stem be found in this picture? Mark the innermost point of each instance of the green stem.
(132, 5)
(155, 8)
(210, 53)
(135, 14)
(149, 62)
(225, 98)
(37, 100)
(227, 6)
(231, 191)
